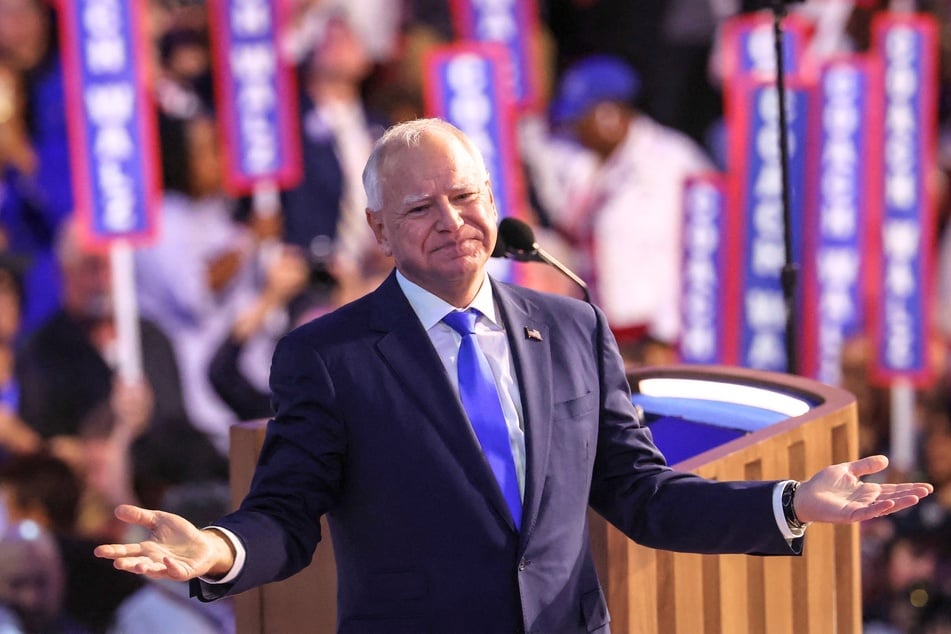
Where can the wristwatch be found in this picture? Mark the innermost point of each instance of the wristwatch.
(789, 510)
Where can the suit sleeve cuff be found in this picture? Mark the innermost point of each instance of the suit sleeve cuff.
(239, 556)
(789, 533)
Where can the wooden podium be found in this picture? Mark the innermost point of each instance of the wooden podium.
(650, 591)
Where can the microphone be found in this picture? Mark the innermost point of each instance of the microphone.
(516, 240)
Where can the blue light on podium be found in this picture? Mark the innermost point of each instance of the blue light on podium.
(688, 416)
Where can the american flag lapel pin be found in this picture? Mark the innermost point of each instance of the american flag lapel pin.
(532, 334)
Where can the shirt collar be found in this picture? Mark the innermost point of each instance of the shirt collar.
(430, 309)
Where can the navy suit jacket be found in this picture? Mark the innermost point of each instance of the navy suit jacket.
(368, 430)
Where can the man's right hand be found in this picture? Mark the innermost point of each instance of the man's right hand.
(175, 549)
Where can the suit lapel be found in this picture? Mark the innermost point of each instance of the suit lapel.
(406, 349)
(531, 351)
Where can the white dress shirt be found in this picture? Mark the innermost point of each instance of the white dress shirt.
(490, 333)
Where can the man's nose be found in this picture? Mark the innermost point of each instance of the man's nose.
(450, 216)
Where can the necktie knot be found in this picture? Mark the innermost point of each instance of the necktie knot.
(462, 321)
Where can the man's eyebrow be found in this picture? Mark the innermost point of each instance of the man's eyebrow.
(415, 199)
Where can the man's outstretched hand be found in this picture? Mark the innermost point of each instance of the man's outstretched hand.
(174, 549)
(837, 494)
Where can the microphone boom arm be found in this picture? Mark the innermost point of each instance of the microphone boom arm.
(553, 261)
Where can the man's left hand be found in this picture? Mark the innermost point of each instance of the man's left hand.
(838, 495)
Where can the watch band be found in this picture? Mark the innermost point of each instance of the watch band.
(789, 510)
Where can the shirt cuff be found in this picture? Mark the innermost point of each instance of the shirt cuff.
(239, 556)
(784, 528)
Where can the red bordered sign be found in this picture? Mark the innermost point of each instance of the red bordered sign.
(256, 94)
(110, 119)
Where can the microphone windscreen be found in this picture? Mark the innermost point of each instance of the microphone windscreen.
(517, 234)
(500, 250)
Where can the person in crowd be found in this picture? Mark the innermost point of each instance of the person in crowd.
(324, 214)
(621, 205)
(287, 277)
(27, 223)
(183, 86)
(44, 489)
(32, 583)
(70, 389)
(16, 437)
(455, 429)
(29, 41)
(194, 279)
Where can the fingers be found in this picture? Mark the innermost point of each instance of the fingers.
(136, 515)
(917, 489)
(873, 510)
(142, 566)
(114, 551)
(868, 465)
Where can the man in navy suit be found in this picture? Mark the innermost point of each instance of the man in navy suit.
(369, 428)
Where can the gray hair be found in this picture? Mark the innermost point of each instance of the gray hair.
(401, 136)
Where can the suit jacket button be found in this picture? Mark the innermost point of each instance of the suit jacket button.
(522, 565)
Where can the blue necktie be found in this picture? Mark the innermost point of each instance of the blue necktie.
(480, 398)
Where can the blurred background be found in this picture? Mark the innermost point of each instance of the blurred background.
(628, 101)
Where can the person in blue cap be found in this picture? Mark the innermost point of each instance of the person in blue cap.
(619, 195)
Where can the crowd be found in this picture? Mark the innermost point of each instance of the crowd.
(633, 108)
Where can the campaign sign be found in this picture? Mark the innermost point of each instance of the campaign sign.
(703, 318)
(110, 118)
(749, 46)
(906, 46)
(464, 86)
(512, 23)
(255, 93)
(757, 251)
(840, 213)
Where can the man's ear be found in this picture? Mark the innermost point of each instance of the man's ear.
(375, 220)
(488, 187)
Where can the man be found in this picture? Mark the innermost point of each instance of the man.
(32, 582)
(71, 395)
(435, 528)
(324, 213)
(616, 191)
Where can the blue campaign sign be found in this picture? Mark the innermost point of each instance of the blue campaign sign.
(512, 23)
(111, 119)
(464, 86)
(703, 311)
(906, 47)
(840, 214)
(758, 213)
(255, 93)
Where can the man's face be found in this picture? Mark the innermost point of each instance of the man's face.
(23, 31)
(438, 219)
(31, 581)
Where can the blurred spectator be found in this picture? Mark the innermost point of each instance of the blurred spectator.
(376, 22)
(943, 303)
(872, 401)
(16, 437)
(32, 582)
(184, 86)
(163, 605)
(621, 204)
(29, 40)
(69, 388)
(192, 280)
(288, 275)
(44, 489)
(325, 214)
(27, 225)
